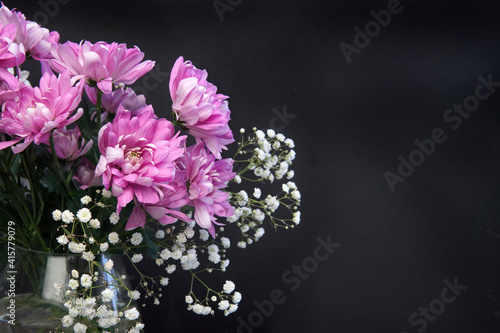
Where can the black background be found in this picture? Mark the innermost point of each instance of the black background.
(352, 121)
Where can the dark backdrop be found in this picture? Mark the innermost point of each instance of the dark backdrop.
(424, 257)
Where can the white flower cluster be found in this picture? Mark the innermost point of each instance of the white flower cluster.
(269, 156)
(83, 306)
(272, 156)
(227, 300)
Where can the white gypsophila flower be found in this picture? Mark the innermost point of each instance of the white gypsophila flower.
(106, 193)
(136, 258)
(137, 328)
(258, 215)
(73, 284)
(245, 228)
(224, 264)
(213, 298)
(271, 178)
(243, 198)
(76, 247)
(257, 193)
(276, 145)
(113, 238)
(296, 217)
(206, 310)
(242, 244)
(259, 233)
(89, 256)
(204, 235)
(165, 254)
(226, 243)
(107, 295)
(160, 234)
(285, 188)
(260, 135)
(261, 155)
(164, 281)
(181, 238)
(214, 257)
(136, 238)
(249, 241)
(135, 295)
(236, 297)
(84, 215)
(188, 299)
(67, 217)
(109, 265)
(104, 246)
(80, 328)
(266, 146)
(114, 218)
(159, 261)
(258, 172)
(67, 321)
(131, 314)
(242, 130)
(86, 280)
(170, 269)
(75, 274)
(57, 215)
(272, 203)
(156, 301)
(228, 287)
(271, 133)
(94, 223)
(197, 308)
(237, 179)
(223, 305)
(280, 137)
(295, 195)
(289, 143)
(63, 240)
(232, 308)
(177, 254)
(86, 200)
(73, 312)
(91, 240)
(189, 232)
(108, 321)
(290, 174)
(291, 185)
(213, 249)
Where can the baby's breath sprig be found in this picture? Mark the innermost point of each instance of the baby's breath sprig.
(267, 157)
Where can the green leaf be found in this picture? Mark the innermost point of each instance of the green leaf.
(52, 183)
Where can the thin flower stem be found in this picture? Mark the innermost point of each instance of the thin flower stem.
(57, 164)
(98, 114)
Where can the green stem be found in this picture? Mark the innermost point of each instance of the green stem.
(99, 99)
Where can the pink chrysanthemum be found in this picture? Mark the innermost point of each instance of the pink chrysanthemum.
(106, 64)
(11, 55)
(198, 107)
(85, 175)
(69, 145)
(37, 41)
(124, 97)
(205, 177)
(138, 156)
(167, 210)
(38, 111)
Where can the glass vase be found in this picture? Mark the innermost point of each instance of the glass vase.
(28, 298)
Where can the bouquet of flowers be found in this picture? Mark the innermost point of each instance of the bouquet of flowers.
(88, 168)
